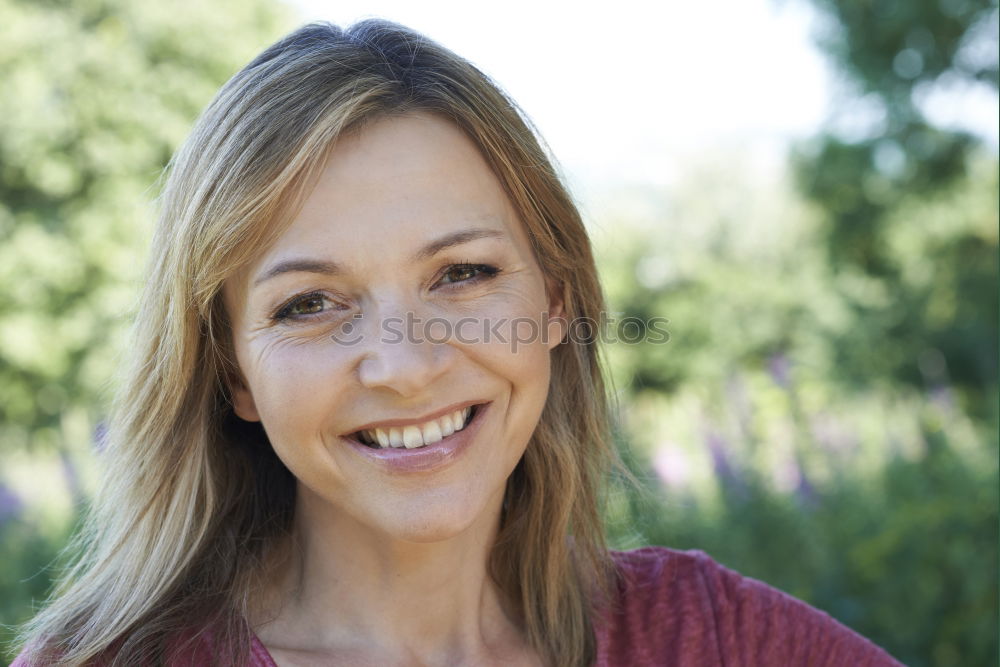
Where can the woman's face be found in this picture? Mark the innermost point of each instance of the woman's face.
(404, 297)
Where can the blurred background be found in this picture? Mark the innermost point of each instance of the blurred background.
(806, 189)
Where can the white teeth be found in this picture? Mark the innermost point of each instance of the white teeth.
(412, 437)
(431, 432)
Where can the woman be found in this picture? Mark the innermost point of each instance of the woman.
(355, 430)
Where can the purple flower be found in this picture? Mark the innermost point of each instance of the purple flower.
(727, 473)
(11, 504)
(942, 397)
(804, 490)
(780, 369)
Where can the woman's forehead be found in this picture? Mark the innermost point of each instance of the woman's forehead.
(403, 181)
(415, 158)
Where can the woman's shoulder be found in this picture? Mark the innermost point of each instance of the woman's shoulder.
(683, 608)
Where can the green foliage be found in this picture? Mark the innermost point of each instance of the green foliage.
(823, 422)
(895, 54)
(97, 94)
(881, 509)
(722, 276)
(891, 46)
(29, 551)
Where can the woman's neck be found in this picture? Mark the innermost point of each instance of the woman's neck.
(347, 593)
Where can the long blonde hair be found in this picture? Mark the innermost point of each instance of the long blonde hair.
(193, 497)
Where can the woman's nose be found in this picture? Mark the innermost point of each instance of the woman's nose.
(401, 356)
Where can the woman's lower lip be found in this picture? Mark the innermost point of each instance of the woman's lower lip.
(427, 458)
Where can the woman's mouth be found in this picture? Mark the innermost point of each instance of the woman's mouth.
(419, 435)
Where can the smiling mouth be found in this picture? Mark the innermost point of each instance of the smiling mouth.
(417, 435)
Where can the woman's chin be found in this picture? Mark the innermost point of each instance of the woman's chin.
(425, 517)
(438, 524)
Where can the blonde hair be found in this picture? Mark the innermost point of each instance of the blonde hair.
(193, 497)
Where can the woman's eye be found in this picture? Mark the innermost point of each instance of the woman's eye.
(303, 307)
(463, 273)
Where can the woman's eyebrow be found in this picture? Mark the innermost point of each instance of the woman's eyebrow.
(456, 238)
(302, 265)
(324, 267)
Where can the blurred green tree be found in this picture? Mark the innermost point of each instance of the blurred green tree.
(834, 363)
(97, 95)
(884, 153)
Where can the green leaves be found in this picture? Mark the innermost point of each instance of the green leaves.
(97, 95)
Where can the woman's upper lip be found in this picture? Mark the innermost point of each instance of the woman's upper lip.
(414, 421)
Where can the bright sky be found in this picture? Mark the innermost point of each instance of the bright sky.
(631, 90)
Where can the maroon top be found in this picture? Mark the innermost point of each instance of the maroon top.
(681, 608)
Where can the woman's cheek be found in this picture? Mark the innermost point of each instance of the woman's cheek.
(510, 314)
(291, 376)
